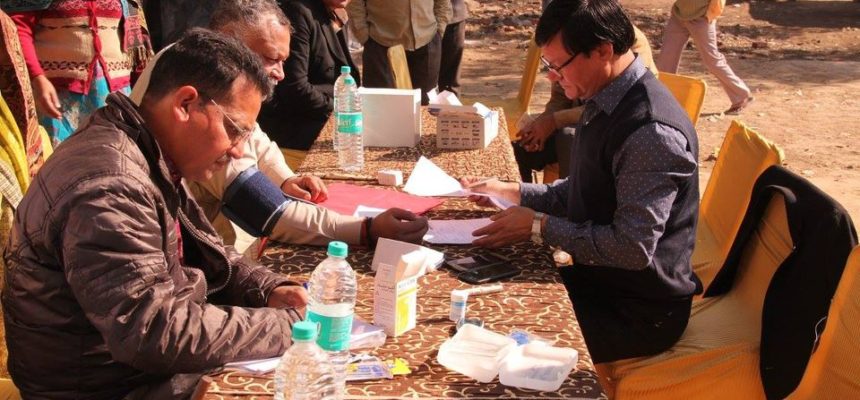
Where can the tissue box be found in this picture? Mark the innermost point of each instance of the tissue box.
(391, 117)
(394, 300)
(466, 127)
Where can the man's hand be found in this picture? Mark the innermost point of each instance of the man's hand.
(289, 296)
(509, 226)
(509, 191)
(306, 187)
(47, 101)
(398, 224)
(534, 136)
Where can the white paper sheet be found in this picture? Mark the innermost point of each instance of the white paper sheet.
(255, 366)
(427, 179)
(454, 231)
(363, 211)
(389, 251)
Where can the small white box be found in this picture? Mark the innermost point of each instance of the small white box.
(390, 177)
(395, 298)
(465, 127)
(391, 117)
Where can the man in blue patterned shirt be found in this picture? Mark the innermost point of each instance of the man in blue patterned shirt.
(627, 212)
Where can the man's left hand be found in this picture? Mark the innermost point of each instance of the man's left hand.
(306, 187)
(509, 226)
(289, 296)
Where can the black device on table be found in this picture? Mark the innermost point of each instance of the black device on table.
(477, 261)
(488, 273)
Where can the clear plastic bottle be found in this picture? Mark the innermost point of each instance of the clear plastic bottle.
(332, 289)
(305, 372)
(349, 126)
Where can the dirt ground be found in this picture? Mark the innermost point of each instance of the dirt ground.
(800, 58)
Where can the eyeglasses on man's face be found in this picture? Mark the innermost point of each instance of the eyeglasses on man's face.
(235, 133)
(552, 68)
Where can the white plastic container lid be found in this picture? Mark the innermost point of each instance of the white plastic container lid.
(475, 352)
(538, 366)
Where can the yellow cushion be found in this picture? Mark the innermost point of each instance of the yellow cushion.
(744, 155)
(8, 391)
(718, 354)
(294, 158)
(833, 371)
(689, 91)
(400, 67)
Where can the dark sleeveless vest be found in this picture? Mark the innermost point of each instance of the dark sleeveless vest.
(592, 196)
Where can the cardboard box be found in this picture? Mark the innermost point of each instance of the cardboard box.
(391, 117)
(465, 127)
(395, 299)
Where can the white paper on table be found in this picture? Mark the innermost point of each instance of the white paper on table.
(454, 231)
(427, 179)
(363, 211)
(255, 366)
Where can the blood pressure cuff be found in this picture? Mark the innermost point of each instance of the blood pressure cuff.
(254, 203)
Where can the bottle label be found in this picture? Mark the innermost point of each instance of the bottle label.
(349, 123)
(334, 331)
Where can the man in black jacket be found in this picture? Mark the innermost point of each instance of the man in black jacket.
(303, 101)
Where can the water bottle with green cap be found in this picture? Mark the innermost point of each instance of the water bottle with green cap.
(349, 122)
(305, 371)
(332, 291)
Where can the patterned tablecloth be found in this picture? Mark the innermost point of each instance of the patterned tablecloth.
(534, 301)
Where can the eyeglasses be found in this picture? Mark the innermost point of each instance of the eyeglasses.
(557, 70)
(234, 131)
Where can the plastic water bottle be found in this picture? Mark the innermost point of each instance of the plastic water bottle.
(305, 372)
(349, 123)
(332, 290)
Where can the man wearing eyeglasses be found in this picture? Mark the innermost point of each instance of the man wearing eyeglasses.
(116, 284)
(627, 212)
(263, 27)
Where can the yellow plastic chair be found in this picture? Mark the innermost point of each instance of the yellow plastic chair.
(517, 106)
(397, 59)
(743, 156)
(833, 371)
(689, 91)
(717, 357)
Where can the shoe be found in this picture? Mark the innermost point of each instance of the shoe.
(736, 109)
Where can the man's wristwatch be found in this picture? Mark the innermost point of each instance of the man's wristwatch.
(536, 234)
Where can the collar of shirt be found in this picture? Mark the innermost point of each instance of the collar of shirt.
(608, 98)
(175, 176)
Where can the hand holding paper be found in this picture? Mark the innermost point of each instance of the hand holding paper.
(491, 192)
(509, 226)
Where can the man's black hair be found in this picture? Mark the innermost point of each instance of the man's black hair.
(585, 24)
(210, 62)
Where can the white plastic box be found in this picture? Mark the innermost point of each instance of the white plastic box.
(475, 352)
(391, 117)
(538, 366)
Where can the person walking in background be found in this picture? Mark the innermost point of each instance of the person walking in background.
(77, 53)
(303, 101)
(418, 25)
(453, 42)
(698, 19)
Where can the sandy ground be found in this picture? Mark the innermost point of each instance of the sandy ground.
(801, 59)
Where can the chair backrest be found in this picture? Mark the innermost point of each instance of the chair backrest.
(833, 371)
(397, 59)
(689, 91)
(743, 156)
(530, 72)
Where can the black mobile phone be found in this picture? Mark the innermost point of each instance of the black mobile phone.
(476, 262)
(489, 273)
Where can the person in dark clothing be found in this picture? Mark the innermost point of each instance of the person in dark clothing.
(453, 41)
(628, 211)
(303, 101)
